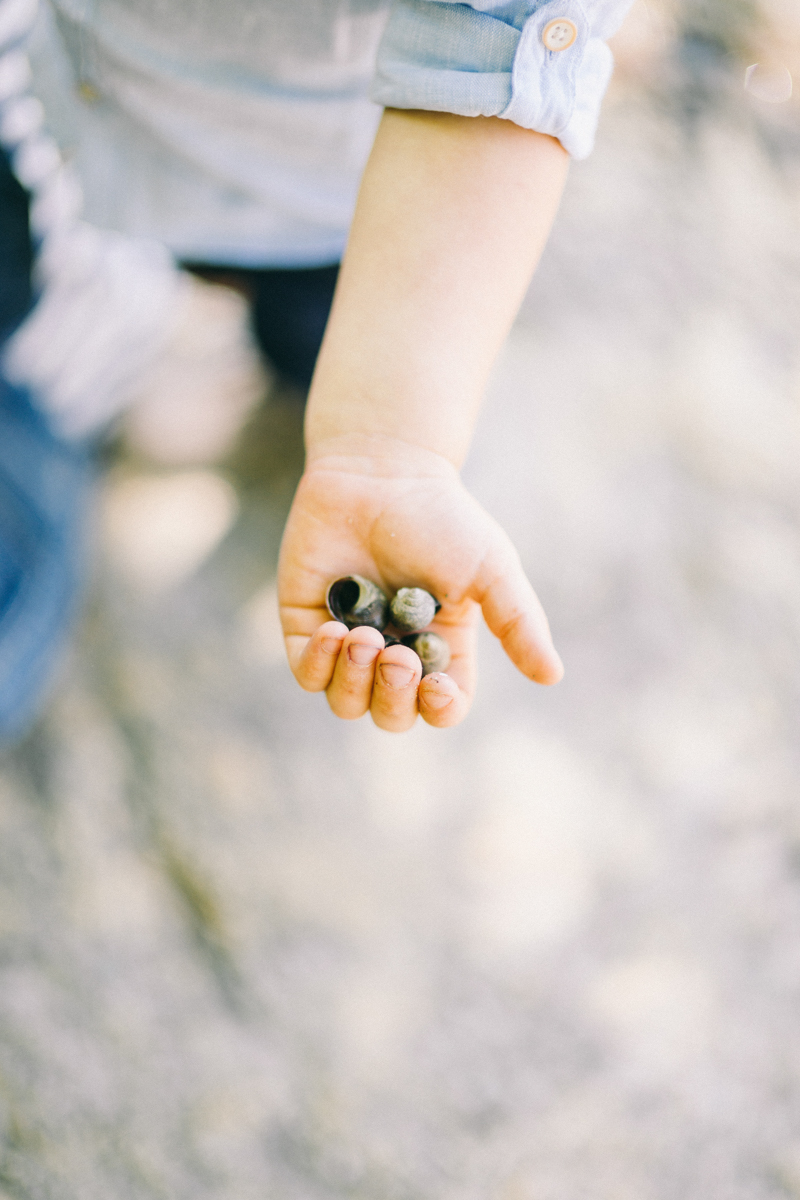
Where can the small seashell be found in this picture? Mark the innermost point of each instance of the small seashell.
(356, 601)
(433, 651)
(412, 609)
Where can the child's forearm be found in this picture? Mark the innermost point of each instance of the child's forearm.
(452, 216)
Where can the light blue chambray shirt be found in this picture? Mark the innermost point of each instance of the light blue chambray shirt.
(237, 131)
(490, 58)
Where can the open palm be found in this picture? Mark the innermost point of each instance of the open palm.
(402, 524)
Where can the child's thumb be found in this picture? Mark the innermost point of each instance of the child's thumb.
(514, 614)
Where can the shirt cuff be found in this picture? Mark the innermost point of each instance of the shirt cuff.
(466, 59)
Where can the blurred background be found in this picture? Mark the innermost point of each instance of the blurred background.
(248, 950)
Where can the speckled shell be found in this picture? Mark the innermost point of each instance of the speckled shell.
(356, 601)
(412, 609)
(433, 651)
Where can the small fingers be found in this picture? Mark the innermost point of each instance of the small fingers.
(313, 660)
(442, 702)
(350, 689)
(394, 698)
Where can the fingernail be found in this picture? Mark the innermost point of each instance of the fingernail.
(437, 699)
(331, 645)
(362, 654)
(395, 676)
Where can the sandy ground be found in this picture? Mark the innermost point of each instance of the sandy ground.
(249, 951)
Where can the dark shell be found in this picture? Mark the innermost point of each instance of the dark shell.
(433, 651)
(413, 609)
(356, 601)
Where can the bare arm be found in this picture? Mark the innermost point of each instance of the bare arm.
(452, 217)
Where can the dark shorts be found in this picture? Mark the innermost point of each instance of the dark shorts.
(15, 251)
(290, 308)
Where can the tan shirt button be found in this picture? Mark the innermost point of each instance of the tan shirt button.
(559, 34)
(88, 92)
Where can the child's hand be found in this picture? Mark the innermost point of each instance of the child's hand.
(401, 519)
(451, 218)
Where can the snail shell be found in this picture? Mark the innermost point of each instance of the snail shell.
(412, 609)
(433, 651)
(356, 601)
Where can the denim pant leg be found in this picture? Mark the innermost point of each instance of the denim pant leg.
(44, 484)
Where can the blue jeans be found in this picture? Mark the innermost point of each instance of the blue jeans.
(44, 484)
(45, 481)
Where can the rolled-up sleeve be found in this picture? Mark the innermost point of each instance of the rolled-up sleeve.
(543, 64)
